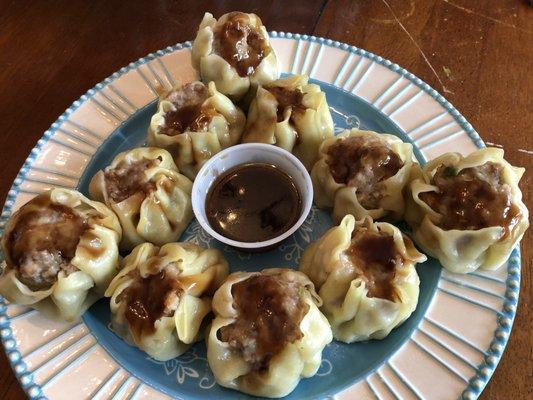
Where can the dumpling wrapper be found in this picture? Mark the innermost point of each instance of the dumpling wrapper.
(194, 274)
(344, 198)
(192, 148)
(160, 210)
(464, 251)
(95, 262)
(296, 360)
(213, 67)
(292, 114)
(354, 315)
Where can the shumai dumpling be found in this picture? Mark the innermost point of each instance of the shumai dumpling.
(194, 122)
(366, 277)
(161, 296)
(468, 211)
(235, 53)
(267, 333)
(150, 197)
(61, 252)
(362, 173)
(291, 114)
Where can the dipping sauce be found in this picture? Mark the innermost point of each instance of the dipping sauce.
(253, 203)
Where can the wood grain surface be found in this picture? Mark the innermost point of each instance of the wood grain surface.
(478, 54)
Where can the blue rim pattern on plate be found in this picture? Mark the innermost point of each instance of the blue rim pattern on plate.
(506, 316)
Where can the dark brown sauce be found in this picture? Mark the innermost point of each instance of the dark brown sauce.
(375, 257)
(149, 299)
(270, 310)
(44, 241)
(363, 163)
(190, 114)
(287, 98)
(473, 198)
(239, 43)
(127, 179)
(253, 203)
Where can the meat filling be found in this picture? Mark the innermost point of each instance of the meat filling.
(240, 44)
(151, 298)
(270, 310)
(190, 113)
(364, 164)
(43, 243)
(472, 198)
(127, 179)
(374, 257)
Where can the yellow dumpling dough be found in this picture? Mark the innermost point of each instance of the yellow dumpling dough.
(362, 173)
(235, 53)
(162, 295)
(148, 194)
(61, 252)
(292, 114)
(268, 332)
(468, 211)
(194, 122)
(366, 277)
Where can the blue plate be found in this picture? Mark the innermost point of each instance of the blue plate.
(189, 376)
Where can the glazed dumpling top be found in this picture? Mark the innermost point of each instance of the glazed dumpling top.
(363, 163)
(374, 256)
(472, 198)
(43, 242)
(191, 112)
(239, 40)
(270, 310)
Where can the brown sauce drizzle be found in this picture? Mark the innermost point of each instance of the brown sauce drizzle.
(240, 44)
(190, 114)
(363, 163)
(270, 310)
(375, 258)
(473, 198)
(287, 98)
(127, 179)
(44, 241)
(149, 299)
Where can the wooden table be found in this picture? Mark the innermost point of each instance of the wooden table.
(479, 54)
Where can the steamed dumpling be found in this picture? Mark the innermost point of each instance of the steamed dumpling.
(291, 114)
(61, 252)
(148, 194)
(468, 211)
(362, 173)
(194, 122)
(235, 53)
(160, 298)
(366, 277)
(267, 333)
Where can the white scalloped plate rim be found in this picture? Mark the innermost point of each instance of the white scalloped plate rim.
(61, 155)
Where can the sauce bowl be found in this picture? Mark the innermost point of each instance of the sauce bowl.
(245, 154)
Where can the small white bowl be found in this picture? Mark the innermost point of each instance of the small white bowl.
(244, 154)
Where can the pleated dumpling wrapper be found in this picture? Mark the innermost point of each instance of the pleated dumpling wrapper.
(194, 122)
(160, 298)
(148, 194)
(268, 332)
(235, 53)
(61, 252)
(468, 211)
(362, 173)
(366, 277)
(292, 114)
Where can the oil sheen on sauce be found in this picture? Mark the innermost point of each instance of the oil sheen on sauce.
(253, 203)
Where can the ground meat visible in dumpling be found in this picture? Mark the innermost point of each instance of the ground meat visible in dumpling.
(363, 163)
